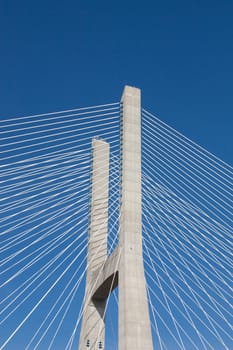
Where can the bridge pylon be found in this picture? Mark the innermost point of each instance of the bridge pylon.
(124, 267)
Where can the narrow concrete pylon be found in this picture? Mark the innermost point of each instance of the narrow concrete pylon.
(93, 326)
(134, 320)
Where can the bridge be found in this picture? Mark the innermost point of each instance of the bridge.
(83, 268)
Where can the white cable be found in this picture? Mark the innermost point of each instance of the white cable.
(169, 217)
(182, 260)
(50, 159)
(107, 133)
(203, 216)
(200, 255)
(55, 118)
(45, 168)
(183, 303)
(182, 149)
(86, 176)
(198, 147)
(57, 139)
(181, 344)
(37, 206)
(41, 271)
(59, 112)
(73, 290)
(194, 211)
(44, 187)
(44, 236)
(154, 318)
(51, 156)
(196, 300)
(37, 304)
(113, 187)
(193, 222)
(165, 161)
(165, 148)
(60, 212)
(178, 185)
(168, 328)
(51, 273)
(56, 239)
(35, 307)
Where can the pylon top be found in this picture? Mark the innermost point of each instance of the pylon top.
(131, 90)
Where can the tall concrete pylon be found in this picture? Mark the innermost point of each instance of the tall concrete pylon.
(93, 328)
(134, 321)
(124, 267)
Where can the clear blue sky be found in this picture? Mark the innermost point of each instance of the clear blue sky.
(65, 54)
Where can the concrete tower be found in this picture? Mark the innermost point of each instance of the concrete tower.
(93, 328)
(134, 321)
(124, 267)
